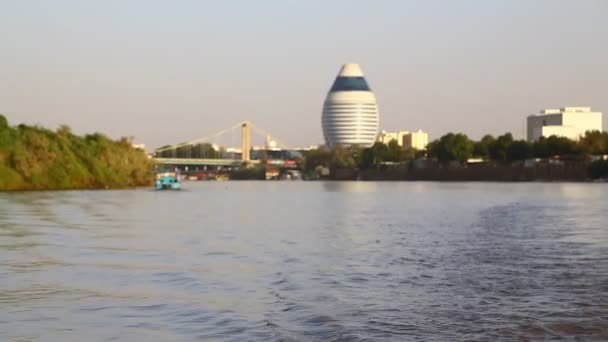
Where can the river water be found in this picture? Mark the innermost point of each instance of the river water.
(307, 261)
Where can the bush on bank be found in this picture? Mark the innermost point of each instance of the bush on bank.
(36, 158)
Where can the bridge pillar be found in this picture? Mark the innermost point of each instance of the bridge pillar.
(246, 141)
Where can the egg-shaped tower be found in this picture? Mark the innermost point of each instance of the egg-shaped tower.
(350, 112)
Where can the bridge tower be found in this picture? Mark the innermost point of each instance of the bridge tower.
(246, 141)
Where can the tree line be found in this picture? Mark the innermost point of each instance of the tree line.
(36, 158)
(458, 148)
(359, 157)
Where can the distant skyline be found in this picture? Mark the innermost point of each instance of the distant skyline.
(171, 71)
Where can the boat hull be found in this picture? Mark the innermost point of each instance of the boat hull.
(167, 181)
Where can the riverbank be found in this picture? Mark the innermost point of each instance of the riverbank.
(553, 171)
(566, 172)
(36, 158)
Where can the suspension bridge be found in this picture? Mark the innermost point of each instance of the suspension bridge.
(202, 151)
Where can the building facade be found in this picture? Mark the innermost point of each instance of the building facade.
(350, 112)
(386, 137)
(569, 122)
(416, 140)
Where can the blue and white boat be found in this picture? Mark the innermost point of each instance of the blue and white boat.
(167, 180)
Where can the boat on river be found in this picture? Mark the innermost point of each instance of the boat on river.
(167, 180)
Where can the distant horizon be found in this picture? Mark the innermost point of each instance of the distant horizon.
(170, 73)
(237, 143)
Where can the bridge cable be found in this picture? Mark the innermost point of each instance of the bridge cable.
(199, 140)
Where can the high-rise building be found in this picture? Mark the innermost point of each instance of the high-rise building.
(569, 122)
(350, 112)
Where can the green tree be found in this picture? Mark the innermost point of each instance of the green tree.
(357, 152)
(375, 155)
(321, 156)
(560, 146)
(519, 150)
(64, 130)
(555, 146)
(3, 123)
(394, 152)
(451, 147)
(481, 149)
(594, 142)
(367, 159)
(342, 157)
(498, 149)
(540, 148)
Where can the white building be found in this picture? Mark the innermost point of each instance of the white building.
(386, 137)
(350, 112)
(569, 122)
(417, 140)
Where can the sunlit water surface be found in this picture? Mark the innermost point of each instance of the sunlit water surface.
(307, 261)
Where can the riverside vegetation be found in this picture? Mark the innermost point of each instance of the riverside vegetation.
(456, 149)
(36, 158)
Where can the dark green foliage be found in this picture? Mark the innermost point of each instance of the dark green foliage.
(481, 149)
(380, 153)
(555, 146)
(343, 158)
(318, 157)
(357, 157)
(33, 158)
(594, 142)
(394, 152)
(374, 155)
(498, 149)
(451, 147)
(3, 123)
(519, 150)
(457, 147)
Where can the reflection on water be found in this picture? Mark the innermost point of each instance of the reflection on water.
(306, 261)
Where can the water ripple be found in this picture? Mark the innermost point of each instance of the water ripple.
(309, 262)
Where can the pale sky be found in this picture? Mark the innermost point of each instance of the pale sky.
(172, 71)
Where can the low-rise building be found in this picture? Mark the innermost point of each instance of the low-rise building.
(569, 122)
(386, 137)
(416, 140)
